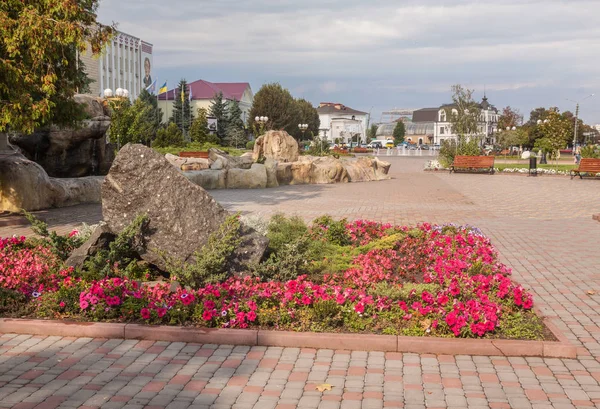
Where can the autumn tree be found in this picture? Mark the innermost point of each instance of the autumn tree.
(509, 118)
(40, 69)
(464, 112)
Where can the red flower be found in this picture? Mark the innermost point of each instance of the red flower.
(145, 313)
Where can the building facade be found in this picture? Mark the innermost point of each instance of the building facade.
(436, 122)
(341, 122)
(202, 94)
(126, 62)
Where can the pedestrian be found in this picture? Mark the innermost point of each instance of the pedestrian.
(577, 154)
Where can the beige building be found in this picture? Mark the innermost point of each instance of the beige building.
(202, 93)
(126, 62)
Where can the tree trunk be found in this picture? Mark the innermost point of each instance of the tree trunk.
(4, 142)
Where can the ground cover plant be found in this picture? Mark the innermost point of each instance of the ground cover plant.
(327, 276)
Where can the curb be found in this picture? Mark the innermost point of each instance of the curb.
(358, 342)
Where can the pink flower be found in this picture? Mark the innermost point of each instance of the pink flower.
(161, 312)
(359, 308)
(73, 233)
(145, 313)
(62, 304)
(251, 316)
(83, 305)
(207, 315)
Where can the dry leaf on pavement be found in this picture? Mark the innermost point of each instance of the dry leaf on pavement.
(324, 387)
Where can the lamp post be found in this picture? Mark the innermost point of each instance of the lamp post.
(120, 96)
(576, 119)
(262, 122)
(543, 159)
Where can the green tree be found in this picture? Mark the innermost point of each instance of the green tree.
(276, 103)
(556, 133)
(538, 114)
(218, 110)
(399, 132)
(235, 133)
(170, 135)
(309, 116)
(464, 112)
(462, 147)
(199, 129)
(372, 133)
(149, 99)
(40, 70)
(122, 117)
(182, 110)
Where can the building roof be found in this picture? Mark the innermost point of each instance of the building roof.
(202, 89)
(425, 115)
(336, 108)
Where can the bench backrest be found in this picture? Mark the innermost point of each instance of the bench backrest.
(193, 154)
(474, 161)
(589, 165)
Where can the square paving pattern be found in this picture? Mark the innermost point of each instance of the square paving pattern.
(542, 227)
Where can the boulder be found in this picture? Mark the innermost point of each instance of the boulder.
(208, 179)
(277, 145)
(253, 178)
(294, 173)
(72, 151)
(223, 160)
(175, 160)
(366, 169)
(99, 240)
(327, 170)
(249, 252)
(187, 164)
(181, 214)
(25, 185)
(271, 168)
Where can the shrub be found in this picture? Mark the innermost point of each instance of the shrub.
(284, 230)
(121, 258)
(62, 246)
(250, 145)
(590, 151)
(211, 260)
(328, 229)
(451, 148)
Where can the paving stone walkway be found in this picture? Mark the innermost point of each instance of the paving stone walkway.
(542, 227)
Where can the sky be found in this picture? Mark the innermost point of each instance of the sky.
(375, 55)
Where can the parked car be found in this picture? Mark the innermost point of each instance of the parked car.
(375, 145)
(389, 144)
(424, 147)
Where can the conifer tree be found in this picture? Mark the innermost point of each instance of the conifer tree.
(182, 112)
(219, 110)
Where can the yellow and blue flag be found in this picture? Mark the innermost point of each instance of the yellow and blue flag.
(163, 89)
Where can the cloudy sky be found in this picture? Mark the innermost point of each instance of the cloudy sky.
(374, 55)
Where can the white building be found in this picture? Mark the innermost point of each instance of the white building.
(126, 62)
(440, 128)
(341, 122)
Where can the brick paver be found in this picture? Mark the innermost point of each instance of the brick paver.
(541, 226)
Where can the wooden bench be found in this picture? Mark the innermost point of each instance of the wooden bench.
(470, 163)
(193, 155)
(589, 166)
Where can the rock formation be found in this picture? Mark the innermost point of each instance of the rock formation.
(25, 185)
(73, 151)
(277, 145)
(181, 214)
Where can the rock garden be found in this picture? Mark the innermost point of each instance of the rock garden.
(168, 253)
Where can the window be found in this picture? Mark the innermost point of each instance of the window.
(420, 141)
(441, 141)
(454, 111)
(442, 129)
(442, 116)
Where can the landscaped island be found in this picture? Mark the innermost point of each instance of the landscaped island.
(328, 276)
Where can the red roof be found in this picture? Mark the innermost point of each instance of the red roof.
(206, 90)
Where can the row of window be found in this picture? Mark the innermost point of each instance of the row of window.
(117, 59)
(442, 116)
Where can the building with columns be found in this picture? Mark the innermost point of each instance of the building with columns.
(126, 62)
(342, 123)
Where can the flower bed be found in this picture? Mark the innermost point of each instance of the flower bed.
(331, 276)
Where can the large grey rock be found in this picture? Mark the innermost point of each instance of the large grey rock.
(25, 185)
(99, 240)
(72, 151)
(209, 179)
(223, 160)
(188, 164)
(249, 252)
(181, 214)
(277, 145)
(253, 178)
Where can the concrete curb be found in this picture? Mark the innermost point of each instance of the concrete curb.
(358, 342)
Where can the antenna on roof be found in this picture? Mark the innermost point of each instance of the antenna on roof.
(484, 96)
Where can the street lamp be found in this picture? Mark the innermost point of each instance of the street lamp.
(120, 96)
(576, 121)
(262, 122)
(543, 159)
